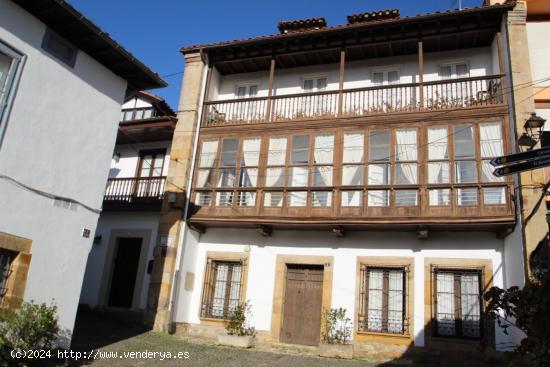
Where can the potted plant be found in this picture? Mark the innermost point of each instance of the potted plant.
(239, 333)
(336, 334)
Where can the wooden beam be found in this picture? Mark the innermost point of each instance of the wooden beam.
(422, 233)
(421, 75)
(501, 65)
(339, 231)
(265, 231)
(341, 82)
(270, 89)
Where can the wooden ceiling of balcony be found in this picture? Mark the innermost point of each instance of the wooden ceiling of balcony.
(455, 30)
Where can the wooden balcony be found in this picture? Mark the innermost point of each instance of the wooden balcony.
(449, 94)
(134, 194)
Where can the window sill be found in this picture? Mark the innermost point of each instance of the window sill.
(383, 338)
(212, 321)
(402, 336)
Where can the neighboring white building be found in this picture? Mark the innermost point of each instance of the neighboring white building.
(62, 82)
(120, 262)
(348, 166)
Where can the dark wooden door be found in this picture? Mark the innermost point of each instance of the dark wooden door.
(302, 304)
(126, 264)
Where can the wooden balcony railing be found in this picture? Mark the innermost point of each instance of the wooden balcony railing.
(427, 96)
(458, 204)
(134, 191)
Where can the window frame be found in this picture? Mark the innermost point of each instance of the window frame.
(209, 277)
(48, 35)
(11, 84)
(453, 64)
(457, 294)
(7, 258)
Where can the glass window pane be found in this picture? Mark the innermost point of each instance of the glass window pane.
(352, 175)
(321, 83)
(466, 196)
(375, 300)
(445, 72)
(440, 197)
(324, 149)
(438, 172)
(445, 315)
(379, 145)
(437, 143)
(229, 152)
(251, 152)
(308, 84)
(406, 198)
(405, 145)
(353, 147)
(277, 151)
(224, 198)
(322, 176)
(494, 195)
(249, 177)
(203, 198)
(300, 149)
(208, 153)
(466, 171)
(247, 199)
(461, 70)
(352, 198)
(464, 141)
(5, 65)
(252, 90)
(205, 177)
(470, 305)
(393, 77)
(227, 177)
(297, 198)
(378, 198)
(379, 174)
(406, 174)
(297, 176)
(273, 199)
(490, 137)
(395, 301)
(322, 198)
(275, 176)
(241, 92)
(377, 78)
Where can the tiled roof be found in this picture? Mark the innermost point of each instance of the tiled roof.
(372, 16)
(418, 17)
(301, 25)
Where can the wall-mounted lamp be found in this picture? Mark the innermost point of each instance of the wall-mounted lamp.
(525, 140)
(533, 127)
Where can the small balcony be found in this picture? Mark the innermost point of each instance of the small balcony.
(449, 94)
(134, 194)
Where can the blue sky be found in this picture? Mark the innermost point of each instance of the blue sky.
(154, 31)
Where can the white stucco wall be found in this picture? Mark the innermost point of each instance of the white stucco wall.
(96, 266)
(264, 251)
(539, 51)
(59, 139)
(357, 73)
(129, 157)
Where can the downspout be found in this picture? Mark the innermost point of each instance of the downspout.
(172, 305)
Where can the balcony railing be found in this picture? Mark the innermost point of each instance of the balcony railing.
(130, 191)
(427, 96)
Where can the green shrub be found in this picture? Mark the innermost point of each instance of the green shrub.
(29, 327)
(237, 324)
(336, 327)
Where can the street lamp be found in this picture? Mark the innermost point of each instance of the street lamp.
(533, 127)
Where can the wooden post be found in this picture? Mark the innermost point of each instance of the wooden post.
(270, 89)
(341, 82)
(421, 75)
(206, 97)
(501, 65)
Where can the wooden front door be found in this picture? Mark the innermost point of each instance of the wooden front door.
(126, 264)
(302, 304)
